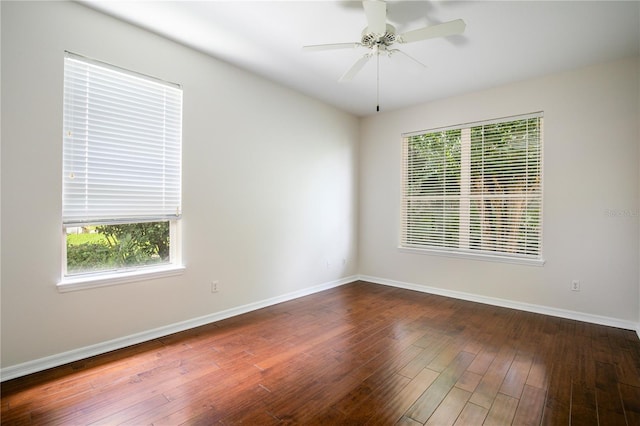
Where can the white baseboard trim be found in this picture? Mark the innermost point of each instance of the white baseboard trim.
(56, 360)
(41, 364)
(527, 307)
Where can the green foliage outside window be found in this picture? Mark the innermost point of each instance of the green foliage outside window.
(107, 247)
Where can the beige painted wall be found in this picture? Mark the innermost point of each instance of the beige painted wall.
(591, 144)
(269, 186)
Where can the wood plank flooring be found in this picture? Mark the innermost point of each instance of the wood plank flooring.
(354, 355)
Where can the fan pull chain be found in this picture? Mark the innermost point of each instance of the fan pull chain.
(378, 82)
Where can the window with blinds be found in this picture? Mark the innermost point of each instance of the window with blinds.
(122, 148)
(475, 189)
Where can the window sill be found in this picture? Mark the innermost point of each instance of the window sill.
(475, 256)
(87, 281)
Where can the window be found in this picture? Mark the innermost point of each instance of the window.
(475, 189)
(121, 170)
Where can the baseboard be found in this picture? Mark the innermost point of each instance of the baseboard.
(527, 307)
(41, 364)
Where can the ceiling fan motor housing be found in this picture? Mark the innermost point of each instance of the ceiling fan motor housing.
(371, 40)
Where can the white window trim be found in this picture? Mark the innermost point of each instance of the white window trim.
(125, 275)
(96, 280)
(473, 254)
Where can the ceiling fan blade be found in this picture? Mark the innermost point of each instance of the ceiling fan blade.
(355, 68)
(440, 30)
(376, 12)
(406, 55)
(331, 46)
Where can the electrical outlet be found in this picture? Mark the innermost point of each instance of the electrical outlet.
(214, 286)
(575, 285)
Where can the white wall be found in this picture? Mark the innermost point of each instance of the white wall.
(271, 189)
(591, 142)
(269, 186)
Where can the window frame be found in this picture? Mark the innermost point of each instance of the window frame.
(130, 273)
(83, 281)
(469, 253)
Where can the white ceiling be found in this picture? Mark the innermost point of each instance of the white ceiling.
(504, 41)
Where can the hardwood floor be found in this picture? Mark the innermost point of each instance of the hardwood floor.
(356, 354)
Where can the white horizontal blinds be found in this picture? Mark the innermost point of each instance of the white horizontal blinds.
(474, 188)
(506, 191)
(431, 190)
(122, 145)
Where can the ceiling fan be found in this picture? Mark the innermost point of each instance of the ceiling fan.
(379, 37)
